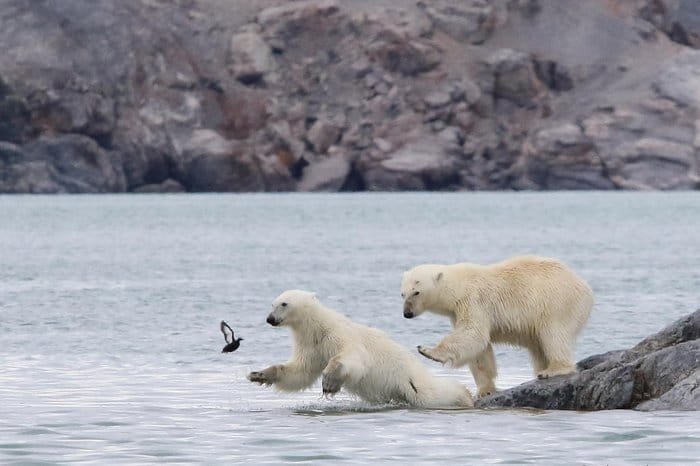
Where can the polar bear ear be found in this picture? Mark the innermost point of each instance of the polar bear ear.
(438, 277)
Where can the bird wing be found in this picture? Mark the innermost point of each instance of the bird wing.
(225, 326)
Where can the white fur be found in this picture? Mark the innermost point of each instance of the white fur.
(361, 359)
(534, 302)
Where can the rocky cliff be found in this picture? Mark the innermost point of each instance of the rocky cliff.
(662, 372)
(271, 95)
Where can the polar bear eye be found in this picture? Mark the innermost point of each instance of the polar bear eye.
(284, 304)
(416, 293)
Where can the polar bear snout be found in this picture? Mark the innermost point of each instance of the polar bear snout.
(408, 311)
(272, 320)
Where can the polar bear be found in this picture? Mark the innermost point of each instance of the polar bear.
(534, 302)
(363, 360)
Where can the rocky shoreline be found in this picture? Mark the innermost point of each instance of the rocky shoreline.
(662, 372)
(322, 95)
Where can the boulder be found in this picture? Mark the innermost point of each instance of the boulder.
(470, 21)
(327, 175)
(514, 77)
(251, 57)
(69, 163)
(561, 157)
(423, 164)
(403, 54)
(661, 372)
(214, 163)
(322, 135)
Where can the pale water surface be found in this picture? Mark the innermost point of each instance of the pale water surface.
(109, 312)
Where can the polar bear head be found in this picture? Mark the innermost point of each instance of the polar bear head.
(420, 289)
(291, 308)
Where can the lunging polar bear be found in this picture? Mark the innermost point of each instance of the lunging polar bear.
(534, 302)
(363, 360)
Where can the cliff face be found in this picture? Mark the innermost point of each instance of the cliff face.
(232, 95)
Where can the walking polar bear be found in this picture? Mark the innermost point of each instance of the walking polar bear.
(363, 360)
(534, 302)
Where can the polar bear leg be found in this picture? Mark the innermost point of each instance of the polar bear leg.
(556, 348)
(483, 369)
(287, 377)
(458, 348)
(345, 367)
(537, 357)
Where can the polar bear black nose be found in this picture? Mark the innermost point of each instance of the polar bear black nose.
(272, 321)
(407, 311)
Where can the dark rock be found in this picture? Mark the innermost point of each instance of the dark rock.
(684, 396)
(62, 164)
(679, 19)
(14, 116)
(661, 372)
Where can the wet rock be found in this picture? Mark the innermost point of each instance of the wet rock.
(661, 372)
(684, 396)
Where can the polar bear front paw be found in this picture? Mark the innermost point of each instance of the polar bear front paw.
(430, 354)
(331, 384)
(264, 377)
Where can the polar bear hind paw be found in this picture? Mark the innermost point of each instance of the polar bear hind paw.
(428, 353)
(547, 373)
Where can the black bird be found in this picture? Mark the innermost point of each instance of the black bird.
(233, 343)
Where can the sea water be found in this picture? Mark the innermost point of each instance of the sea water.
(110, 309)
